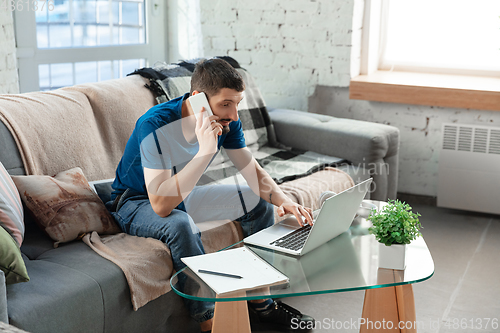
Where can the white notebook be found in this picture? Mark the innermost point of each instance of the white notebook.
(255, 272)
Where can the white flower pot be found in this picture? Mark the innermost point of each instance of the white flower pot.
(392, 257)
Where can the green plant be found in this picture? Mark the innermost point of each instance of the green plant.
(395, 223)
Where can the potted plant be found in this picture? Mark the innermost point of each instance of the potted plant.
(394, 226)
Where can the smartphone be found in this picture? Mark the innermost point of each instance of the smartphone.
(197, 102)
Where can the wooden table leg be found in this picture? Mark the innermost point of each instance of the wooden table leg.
(231, 317)
(406, 308)
(390, 309)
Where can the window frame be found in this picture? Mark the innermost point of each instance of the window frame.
(29, 56)
(421, 86)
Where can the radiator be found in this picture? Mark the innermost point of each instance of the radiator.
(469, 168)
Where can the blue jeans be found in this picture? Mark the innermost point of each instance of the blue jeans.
(178, 230)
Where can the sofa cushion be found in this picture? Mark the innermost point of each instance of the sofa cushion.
(57, 298)
(73, 289)
(65, 205)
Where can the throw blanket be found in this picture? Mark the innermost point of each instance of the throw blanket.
(307, 190)
(147, 264)
(82, 126)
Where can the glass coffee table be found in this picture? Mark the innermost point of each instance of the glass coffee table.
(346, 263)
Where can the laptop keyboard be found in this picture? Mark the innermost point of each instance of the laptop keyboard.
(294, 240)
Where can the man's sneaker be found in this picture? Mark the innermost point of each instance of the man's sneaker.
(283, 317)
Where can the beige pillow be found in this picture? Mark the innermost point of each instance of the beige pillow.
(64, 205)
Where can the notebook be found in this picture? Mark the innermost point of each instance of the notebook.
(255, 272)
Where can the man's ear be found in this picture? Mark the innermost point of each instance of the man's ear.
(195, 92)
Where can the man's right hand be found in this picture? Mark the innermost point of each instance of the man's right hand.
(207, 130)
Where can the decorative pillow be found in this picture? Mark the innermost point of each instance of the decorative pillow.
(11, 208)
(11, 261)
(65, 205)
(11, 230)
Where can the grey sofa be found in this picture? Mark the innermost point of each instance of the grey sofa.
(72, 289)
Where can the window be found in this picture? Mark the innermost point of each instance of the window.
(448, 36)
(53, 76)
(68, 42)
(431, 52)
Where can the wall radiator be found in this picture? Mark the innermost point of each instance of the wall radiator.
(469, 168)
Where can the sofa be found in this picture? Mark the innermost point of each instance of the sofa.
(71, 287)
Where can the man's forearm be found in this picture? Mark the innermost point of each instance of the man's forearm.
(269, 190)
(169, 193)
(264, 186)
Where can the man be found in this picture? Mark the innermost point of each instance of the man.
(155, 192)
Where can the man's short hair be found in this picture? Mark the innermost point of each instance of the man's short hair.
(211, 75)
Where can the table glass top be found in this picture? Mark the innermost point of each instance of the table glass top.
(347, 262)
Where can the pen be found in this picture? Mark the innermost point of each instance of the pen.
(220, 274)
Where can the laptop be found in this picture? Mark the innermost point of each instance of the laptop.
(335, 217)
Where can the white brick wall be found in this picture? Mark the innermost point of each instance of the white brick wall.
(9, 83)
(294, 44)
(302, 54)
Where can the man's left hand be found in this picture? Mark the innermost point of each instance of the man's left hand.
(298, 211)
